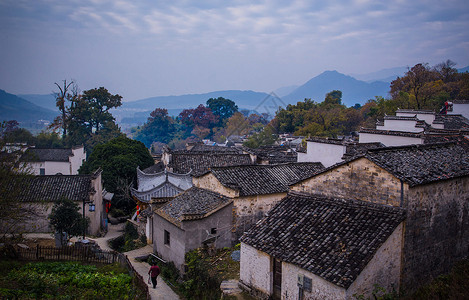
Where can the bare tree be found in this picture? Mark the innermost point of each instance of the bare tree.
(66, 92)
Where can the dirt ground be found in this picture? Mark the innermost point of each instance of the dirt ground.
(39, 241)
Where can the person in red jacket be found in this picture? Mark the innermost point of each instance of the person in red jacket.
(154, 272)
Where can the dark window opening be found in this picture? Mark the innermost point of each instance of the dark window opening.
(42, 171)
(166, 238)
(213, 231)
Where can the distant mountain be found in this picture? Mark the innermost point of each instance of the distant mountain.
(386, 75)
(353, 90)
(283, 91)
(466, 69)
(47, 101)
(248, 99)
(13, 107)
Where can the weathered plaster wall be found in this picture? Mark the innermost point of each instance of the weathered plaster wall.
(176, 250)
(255, 270)
(360, 179)
(196, 230)
(437, 230)
(250, 209)
(460, 109)
(320, 288)
(383, 269)
(327, 154)
(210, 182)
(96, 217)
(79, 156)
(38, 223)
(388, 140)
(50, 167)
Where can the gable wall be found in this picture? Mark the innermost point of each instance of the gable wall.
(437, 229)
(383, 269)
(77, 159)
(96, 217)
(255, 271)
(248, 210)
(196, 230)
(210, 182)
(360, 179)
(327, 154)
(388, 140)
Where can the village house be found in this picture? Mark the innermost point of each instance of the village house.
(43, 191)
(154, 190)
(409, 127)
(254, 189)
(431, 182)
(329, 151)
(315, 247)
(195, 218)
(53, 161)
(317, 243)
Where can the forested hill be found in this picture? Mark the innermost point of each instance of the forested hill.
(353, 90)
(13, 107)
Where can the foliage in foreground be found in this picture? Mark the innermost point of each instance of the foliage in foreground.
(65, 280)
(204, 273)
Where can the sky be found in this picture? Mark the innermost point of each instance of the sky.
(147, 48)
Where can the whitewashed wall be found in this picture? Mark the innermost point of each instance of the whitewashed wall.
(401, 125)
(327, 154)
(389, 140)
(255, 269)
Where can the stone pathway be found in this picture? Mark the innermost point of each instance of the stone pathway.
(162, 290)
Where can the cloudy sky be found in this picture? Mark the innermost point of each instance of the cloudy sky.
(149, 48)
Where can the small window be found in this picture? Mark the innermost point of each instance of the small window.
(42, 171)
(213, 231)
(166, 238)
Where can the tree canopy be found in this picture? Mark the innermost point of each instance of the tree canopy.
(223, 108)
(118, 158)
(159, 127)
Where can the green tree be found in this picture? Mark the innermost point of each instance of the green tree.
(119, 159)
(66, 217)
(159, 127)
(266, 137)
(223, 108)
(89, 121)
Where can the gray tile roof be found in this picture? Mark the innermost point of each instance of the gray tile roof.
(356, 149)
(156, 168)
(33, 154)
(421, 164)
(332, 238)
(50, 188)
(195, 203)
(274, 154)
(265, 179)
(199, 163)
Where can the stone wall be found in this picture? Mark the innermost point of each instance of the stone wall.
(360, 179)
(437, 230)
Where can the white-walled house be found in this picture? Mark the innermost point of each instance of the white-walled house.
(329, 151)
(54, 161)
(414, 127)
(313, 247)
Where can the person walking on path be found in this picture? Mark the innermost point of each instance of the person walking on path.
(154, 272)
